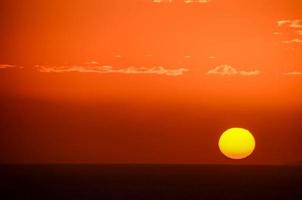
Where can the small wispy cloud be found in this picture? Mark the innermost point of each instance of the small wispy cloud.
(118, 56)
(95, 68)
(6, 66)
(228, 70)
(92, 63)
(277, 33)
(294, 73)
(299, 32)
(293, 41)
(290, 23)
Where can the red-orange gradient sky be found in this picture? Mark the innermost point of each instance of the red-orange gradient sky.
(143, 81)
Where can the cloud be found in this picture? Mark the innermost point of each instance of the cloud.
(96, 68)
(290, 23)
(277, 33)
(227, 70)
(92, 63)
(249, 73)
(293, 41)
(295, 73)
(299, 32)
(5, 66)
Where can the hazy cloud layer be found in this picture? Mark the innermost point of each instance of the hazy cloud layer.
(93, 67)
(227, 70)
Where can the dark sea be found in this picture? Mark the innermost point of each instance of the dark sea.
(143, 182)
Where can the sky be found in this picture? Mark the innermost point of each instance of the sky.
(149, 81)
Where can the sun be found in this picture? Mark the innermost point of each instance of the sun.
(237, 143)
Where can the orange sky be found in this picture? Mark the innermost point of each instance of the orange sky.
(144, 81)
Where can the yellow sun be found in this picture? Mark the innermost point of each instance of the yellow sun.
(237, 143)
